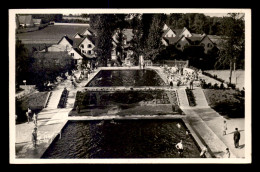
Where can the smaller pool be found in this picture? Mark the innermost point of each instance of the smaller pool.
(107, 78)
(125, 103)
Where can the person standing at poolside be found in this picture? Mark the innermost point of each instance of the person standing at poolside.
(34, 137)
(179, 147)
(28, 117)
(35, 119)
(191, 84)
(225, 128)
(236, 138)
(227, 153)
(203, 152)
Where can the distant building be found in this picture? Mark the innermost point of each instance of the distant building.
(25, 20)
(182, 38)
(80, 46)
(37, 22)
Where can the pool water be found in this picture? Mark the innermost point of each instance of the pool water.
(108, 78)
(122, 139)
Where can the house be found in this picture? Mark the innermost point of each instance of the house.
(37, 21)
(86, 45)
(170, 32)
(65, 44)
(25, 20)
(79, 47)
(182, 38)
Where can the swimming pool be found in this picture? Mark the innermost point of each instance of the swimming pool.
(108, 78)
(122, 139)
(98, 103)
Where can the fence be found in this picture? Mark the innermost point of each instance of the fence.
(172, 63)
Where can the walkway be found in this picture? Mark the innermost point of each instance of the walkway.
(50, 122)
(208, 126)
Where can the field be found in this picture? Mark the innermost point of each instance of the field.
(224, 74)
(50, 34)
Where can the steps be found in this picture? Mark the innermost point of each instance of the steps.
(200, 98)
(54, 99)
(183, 100)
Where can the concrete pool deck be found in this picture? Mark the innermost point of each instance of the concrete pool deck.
(205, 128)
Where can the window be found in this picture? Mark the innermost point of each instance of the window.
(209, 45)
(82, 46)
(72, 54)
(89, 46)
(89, 52)
(83, 51)
(178, 45)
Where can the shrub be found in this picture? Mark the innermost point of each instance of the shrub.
(191, 97)
(215, 86)
(63, 99)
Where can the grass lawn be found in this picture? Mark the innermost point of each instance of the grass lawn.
(35, 101)
(229, 103)
(50, 34)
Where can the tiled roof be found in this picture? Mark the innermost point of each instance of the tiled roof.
(177, 31)
(54, 55)
(194, 39)
(171, 40)
(197, 34)
(91, 38)
(76, 42)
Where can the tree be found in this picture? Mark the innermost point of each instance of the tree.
(104, 25)
(22, 61)
(154, 40)
(233, 41)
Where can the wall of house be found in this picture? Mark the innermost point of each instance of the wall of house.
(208, 45)
(65, 44)
(77, 36)
(76, 55)
(86, 33)
(164, 42)
(86, 48)
(170, 33)
(165, 27)
(186, 33)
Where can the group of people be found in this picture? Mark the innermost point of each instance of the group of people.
(179, 75)
(180, 148)
(35, 120)
(236, 136)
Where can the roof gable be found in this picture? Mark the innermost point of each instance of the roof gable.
(77, 35)
(66, 39)
(87, 32)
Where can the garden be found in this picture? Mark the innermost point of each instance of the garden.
(36, 102)
(229, 103)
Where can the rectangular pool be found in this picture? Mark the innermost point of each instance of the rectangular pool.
(98, 103)
(122, 139)
(108, 78)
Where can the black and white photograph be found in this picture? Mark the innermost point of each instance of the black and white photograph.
(129, 86)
